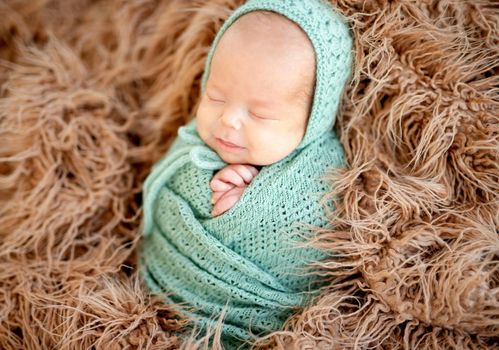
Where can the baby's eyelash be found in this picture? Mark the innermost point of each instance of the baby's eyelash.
(256, 116)
(259, 117)
(214, 99)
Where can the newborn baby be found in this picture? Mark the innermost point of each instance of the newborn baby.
(257, 100)
(228, 209)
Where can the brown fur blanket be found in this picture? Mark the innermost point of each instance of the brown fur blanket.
(92, 93)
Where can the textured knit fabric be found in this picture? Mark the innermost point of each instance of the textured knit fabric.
(247, 258)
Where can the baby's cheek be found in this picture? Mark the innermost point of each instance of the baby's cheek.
(203, 123)
(262, 147)
(276, 145)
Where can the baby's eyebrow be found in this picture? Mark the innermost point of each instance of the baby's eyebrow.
(258, 102)
(212, 86)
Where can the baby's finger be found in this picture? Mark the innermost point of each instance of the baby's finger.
(225, 203)
(218, 185)
(230, 175)
(216, 196)
(254, 171)
(245, 172)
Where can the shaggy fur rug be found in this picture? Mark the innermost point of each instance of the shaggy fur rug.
(92, 93)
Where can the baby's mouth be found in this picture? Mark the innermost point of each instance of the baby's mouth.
(228, 145)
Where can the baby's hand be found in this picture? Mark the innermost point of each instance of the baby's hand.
(228, 185)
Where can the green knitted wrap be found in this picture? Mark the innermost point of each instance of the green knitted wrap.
(247, 259)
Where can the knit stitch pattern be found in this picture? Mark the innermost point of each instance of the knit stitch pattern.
(247, 258)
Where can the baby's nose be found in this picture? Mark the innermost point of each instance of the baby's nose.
(232, 118)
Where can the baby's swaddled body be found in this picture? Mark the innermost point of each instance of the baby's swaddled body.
(249, 258)
(245, 256)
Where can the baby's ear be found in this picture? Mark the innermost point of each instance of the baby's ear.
(304, 94)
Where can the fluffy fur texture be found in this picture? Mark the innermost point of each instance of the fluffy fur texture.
(91, 94)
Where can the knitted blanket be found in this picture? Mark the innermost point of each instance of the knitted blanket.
(248, 255)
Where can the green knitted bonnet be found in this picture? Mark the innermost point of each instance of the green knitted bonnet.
(332, 44)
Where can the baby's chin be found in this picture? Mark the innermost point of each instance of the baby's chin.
(231, 158)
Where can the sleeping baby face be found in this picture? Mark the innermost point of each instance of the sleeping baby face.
(259, 90)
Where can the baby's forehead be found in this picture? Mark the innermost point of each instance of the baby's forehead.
(271, 30)
(278, 40)
(271, 22)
